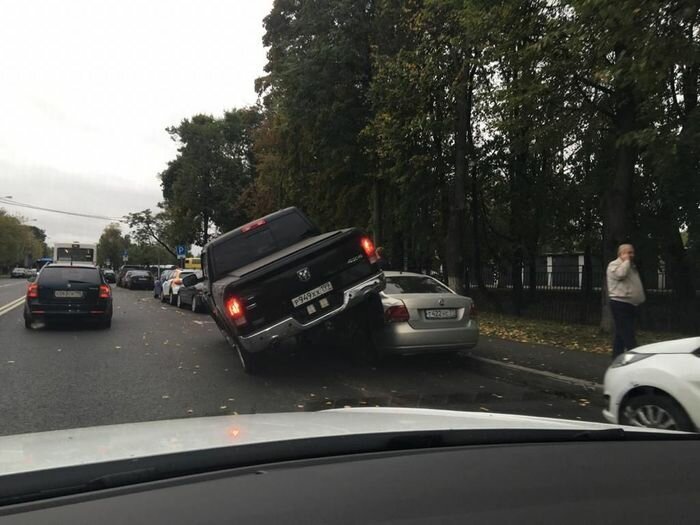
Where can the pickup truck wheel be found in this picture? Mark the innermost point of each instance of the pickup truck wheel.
(252, 362)
(362, 324)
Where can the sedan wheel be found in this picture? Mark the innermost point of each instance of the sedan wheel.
(180, 304)
(195, 308)
(655, 411)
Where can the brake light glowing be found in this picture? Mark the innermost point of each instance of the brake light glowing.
(472, 311)
(397, 314)
(252, 225)
(368, 248)
(33, 291)
(236, 312)
(105, 291)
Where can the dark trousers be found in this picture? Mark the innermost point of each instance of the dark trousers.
(623, 315)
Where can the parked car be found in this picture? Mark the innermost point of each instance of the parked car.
(192, 296)
(278, 276)
(656, 386)
(172, 285)
(138, 280)
(423, 315)
(18, 273)
(63, 291)
(31, 272)
(110, 275)
(158, 284)
(122, 272)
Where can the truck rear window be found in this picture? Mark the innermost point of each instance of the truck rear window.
(245, 248)
(60, 276)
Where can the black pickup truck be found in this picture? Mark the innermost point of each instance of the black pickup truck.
(278, 276)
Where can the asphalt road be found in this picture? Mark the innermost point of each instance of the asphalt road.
(159, 362)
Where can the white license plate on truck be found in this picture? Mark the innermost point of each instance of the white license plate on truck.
(442, 313)
(312, 294)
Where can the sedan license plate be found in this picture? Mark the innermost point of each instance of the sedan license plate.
(67, 293)
(312, 294)
(442, 313)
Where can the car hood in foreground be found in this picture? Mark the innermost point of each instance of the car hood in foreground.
(676, 346)
(62, 448)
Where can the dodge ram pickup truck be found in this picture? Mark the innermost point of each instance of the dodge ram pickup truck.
(279, 276)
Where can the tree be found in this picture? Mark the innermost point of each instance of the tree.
(111, 246)
(147, 227)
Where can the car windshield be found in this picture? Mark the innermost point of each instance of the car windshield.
(391, 208)
(413, 284)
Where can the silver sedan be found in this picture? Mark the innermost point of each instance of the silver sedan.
(423, 315)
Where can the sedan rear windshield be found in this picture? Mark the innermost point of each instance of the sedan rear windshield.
(412, 284)
(61, 276)
(139, 273)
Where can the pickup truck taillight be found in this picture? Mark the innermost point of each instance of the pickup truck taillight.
(105, 291)
(33, 291)
(397, 314)
(236, 311)
(370, 251)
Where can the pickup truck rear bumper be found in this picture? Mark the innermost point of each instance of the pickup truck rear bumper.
(289, 326)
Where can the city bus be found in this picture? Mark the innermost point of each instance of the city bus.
(75, 252)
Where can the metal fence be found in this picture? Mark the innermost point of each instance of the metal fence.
(571, 296)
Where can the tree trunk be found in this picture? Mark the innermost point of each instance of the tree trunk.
(454, 249)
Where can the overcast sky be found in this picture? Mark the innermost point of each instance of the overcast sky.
(87, 88)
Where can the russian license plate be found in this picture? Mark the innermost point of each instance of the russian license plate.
(312, 294)
(67, 294)
(442, 313)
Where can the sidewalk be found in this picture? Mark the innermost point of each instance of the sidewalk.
(568, 372)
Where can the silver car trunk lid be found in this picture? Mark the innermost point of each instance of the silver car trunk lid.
(435, 310)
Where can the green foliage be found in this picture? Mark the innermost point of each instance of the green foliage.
(20, 244)
(111, 246)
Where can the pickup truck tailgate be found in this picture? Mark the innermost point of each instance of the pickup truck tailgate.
(306, 283)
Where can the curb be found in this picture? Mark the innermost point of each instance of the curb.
(540, 379)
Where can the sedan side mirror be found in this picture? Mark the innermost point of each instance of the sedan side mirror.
(190, 279)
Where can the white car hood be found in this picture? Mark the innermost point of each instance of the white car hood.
(60, 448)
(676, 346)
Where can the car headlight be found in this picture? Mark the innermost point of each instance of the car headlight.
(628, 358)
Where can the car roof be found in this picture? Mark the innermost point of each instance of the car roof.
(82, 265)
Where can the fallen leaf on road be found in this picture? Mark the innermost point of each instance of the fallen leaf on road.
(312, 395)
(10, 362)
(196, 366)
(190, 411)
(165, 342)
(348, 406)
(117, 347)
(194, 372)
(231, 399)
(329, 402)
(222, 407)
(497, 396)
(300, 406)
(58, 350)
(165, 397)
(484, 409)
(235, 413)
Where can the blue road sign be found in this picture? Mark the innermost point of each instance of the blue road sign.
(180, 250)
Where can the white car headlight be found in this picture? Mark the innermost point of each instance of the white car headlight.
(628, 358)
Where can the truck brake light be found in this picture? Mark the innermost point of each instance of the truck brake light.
(252, 225)
(105, 291)
(33, 291)
(236, 311)
(370, 251)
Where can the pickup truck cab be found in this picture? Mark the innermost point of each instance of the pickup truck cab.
(278, 276)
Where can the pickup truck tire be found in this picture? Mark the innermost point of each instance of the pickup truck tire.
(362, 323)
(252, 362)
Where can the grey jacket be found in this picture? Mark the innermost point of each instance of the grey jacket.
(624, 283)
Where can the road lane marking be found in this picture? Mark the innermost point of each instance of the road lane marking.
(11, 306)
(11, 284)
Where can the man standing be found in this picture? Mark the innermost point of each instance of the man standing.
(626, 293)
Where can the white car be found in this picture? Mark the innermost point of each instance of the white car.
(172, 285)
(656, 386)
(18, 272)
